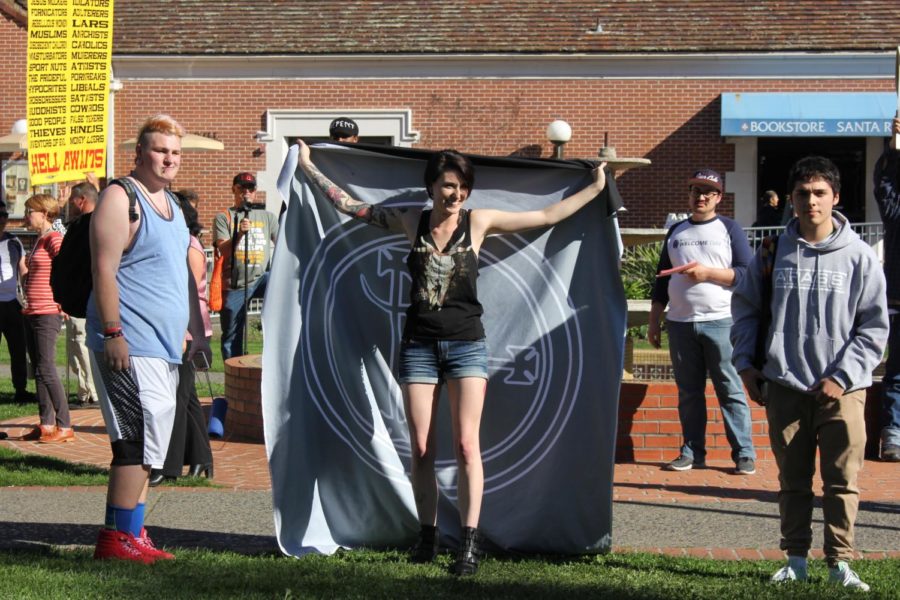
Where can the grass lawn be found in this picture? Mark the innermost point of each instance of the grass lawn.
(18, 469)
(61, 573)
(9, 409)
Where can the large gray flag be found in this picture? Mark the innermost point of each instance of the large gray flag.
(554, 314)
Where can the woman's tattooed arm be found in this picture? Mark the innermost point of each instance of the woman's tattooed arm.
(387, 218)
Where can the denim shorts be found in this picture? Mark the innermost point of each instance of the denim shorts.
(435, 361)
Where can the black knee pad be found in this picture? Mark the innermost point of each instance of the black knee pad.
(128, 452)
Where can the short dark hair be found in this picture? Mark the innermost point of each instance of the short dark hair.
(191, 218)
(84, 190)
(449, 160)
(815, 167)
(188, 195)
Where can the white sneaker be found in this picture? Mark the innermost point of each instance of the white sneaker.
(787, 574)
(845, 576)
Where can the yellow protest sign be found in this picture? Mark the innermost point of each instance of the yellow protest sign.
(69, 51)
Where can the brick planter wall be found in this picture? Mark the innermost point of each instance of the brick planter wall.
(649, 430)
(648, 426)
(243, 376)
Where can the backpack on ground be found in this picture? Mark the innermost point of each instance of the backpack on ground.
(71, 277)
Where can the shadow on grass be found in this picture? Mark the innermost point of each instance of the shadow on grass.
(38, 536)
(15, 461)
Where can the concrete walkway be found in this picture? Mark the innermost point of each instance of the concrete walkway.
(707, 512)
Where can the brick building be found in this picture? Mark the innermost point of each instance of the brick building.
(685, 83)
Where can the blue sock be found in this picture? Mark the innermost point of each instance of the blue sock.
(137, 520)
(118, 518)
(124, 519)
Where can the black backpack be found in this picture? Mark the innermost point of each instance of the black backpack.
(71, 277)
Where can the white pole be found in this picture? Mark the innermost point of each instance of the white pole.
(895, 139)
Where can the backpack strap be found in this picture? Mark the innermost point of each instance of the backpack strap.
(126, 185)
(767, 252)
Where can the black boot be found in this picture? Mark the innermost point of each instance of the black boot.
(198, 470)
(468, 553)
(157, 477)
(426, 547)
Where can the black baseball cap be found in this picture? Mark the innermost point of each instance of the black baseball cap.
(245, 180)
(343, 127)
(707, 177)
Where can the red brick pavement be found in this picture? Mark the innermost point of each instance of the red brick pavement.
(242, 465)
(239, 464)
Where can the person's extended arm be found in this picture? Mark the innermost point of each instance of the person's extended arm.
(654, 324)
(746, 312)
(200, 343)
(501, 221)
(740, 258)
(659, 295)
(197, 263)
(886, 180)
(380, 216)
(110, 233)
(724, 277)
(865, 349)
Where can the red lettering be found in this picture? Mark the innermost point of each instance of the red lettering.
(82, 160)
(40, 162)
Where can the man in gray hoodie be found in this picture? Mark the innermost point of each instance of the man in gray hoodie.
(827, 332)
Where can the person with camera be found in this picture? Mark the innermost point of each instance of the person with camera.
(243, 234)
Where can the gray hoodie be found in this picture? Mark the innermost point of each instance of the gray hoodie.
(829, 311)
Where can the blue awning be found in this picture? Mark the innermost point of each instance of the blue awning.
(813, 114)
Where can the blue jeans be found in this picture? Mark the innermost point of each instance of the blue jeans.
(890, 434)
(234, 313)
(696, 348)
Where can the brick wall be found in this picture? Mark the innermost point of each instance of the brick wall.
(649, 429)
(675, 123)
(243, 377)
(13, 49)
(648, 425)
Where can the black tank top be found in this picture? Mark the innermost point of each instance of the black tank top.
(443, 297)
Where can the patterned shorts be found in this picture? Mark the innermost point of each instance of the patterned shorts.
(138, 404)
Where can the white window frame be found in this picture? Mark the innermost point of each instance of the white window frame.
(281, 124)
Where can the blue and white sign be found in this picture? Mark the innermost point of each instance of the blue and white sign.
(814, 114)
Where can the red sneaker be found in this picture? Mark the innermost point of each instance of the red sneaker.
(149, 548)
(120, 545)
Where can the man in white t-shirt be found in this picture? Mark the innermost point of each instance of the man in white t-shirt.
(710, 254)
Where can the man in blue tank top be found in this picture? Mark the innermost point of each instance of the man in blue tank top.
(136, 321)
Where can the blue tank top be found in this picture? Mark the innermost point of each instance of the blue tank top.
(153, 290)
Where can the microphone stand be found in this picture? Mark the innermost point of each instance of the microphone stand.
(247, 207)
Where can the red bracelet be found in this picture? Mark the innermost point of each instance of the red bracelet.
(112, 330)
